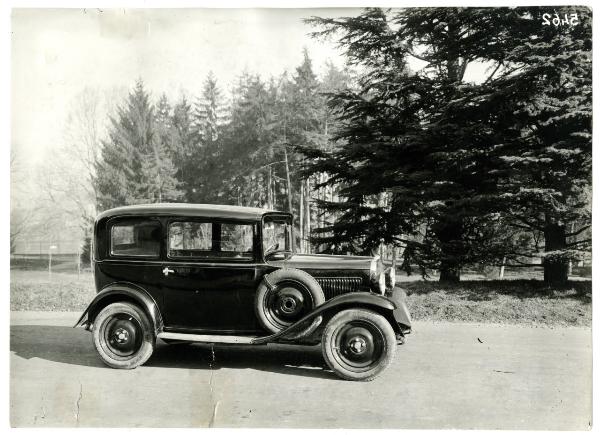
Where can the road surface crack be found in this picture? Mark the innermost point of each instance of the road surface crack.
(78, 402)
(214, 414)
(42, 414)
(210, 385)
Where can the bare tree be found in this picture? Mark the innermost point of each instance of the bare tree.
(66, 178)
(20, 215)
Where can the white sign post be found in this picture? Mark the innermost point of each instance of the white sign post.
(50, 248)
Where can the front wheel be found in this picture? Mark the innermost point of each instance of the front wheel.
(358, 344)
(123, 336)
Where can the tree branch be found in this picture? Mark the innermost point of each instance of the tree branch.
(579, 231)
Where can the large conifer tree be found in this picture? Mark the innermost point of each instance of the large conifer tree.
(134, 166)
(437, 145)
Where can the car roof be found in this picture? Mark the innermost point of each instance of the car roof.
(182, 209)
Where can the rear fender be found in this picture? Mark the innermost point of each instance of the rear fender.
(374, 302)
(122, 292)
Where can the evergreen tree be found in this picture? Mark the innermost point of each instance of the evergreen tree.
(159, 171)
(435, 141)
(210, 112)
(249, 153)
(187, 156)
(548, 166)
(134, 166)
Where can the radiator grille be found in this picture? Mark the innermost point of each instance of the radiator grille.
(337, 286)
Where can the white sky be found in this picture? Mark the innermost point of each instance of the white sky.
(56, 53)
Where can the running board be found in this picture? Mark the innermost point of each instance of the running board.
(234, 339)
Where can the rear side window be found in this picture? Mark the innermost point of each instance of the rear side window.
(135, 238)
(210, 240)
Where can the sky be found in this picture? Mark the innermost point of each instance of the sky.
(58, 52)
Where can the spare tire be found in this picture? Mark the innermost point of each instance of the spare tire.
(285, 296)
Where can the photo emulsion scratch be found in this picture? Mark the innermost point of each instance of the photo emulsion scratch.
(301, 218)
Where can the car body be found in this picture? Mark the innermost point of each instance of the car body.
(227, 274)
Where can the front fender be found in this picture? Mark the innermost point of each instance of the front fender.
(121, 292)
(373, 301)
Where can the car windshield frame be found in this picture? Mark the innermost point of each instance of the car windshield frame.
(283, 219)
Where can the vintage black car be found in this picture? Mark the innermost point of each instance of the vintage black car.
(228, 274)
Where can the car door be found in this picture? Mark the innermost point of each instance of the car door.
(132, 254)
(210, 276)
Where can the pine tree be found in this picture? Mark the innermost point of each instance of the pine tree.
(306, 129)
(435, 141)
(210, 112)
(119, 174)
(187, 156)
(548, 84)
(134, 166)
(159, 171)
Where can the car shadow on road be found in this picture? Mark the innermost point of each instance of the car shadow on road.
(67, 345)
(285, 359)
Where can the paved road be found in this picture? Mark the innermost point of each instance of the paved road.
(444, 377)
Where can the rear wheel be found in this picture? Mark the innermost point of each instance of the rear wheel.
(358, 344)
(123, 335)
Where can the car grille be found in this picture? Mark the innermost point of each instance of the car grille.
(337, 286)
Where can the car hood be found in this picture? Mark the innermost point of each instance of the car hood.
(323, 261)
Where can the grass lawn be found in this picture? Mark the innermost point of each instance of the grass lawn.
(510, 301)
(37, 291)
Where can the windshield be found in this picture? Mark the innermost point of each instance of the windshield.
(277, 235)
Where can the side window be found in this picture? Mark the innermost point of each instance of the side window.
(135, 238)
(237, 238)
(218, 241)
(190, 239)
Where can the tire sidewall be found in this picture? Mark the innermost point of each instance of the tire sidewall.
(341, 319)
(148, 339)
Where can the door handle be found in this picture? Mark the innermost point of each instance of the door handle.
(167, 271)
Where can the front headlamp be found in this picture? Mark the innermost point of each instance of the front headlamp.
(382, 282)
(391, 277)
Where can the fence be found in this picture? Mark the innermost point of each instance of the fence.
(71, 263)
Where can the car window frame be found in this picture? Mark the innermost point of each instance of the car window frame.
(275, 215)
(212, 221)
(117, 220)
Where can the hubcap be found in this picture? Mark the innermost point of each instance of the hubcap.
(358, 345)
(287, 303)
(123, 334)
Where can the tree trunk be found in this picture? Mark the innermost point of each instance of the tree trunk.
(308, 215)
(301, 215)
(449, 233)
(556, 269)
(287, 176)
